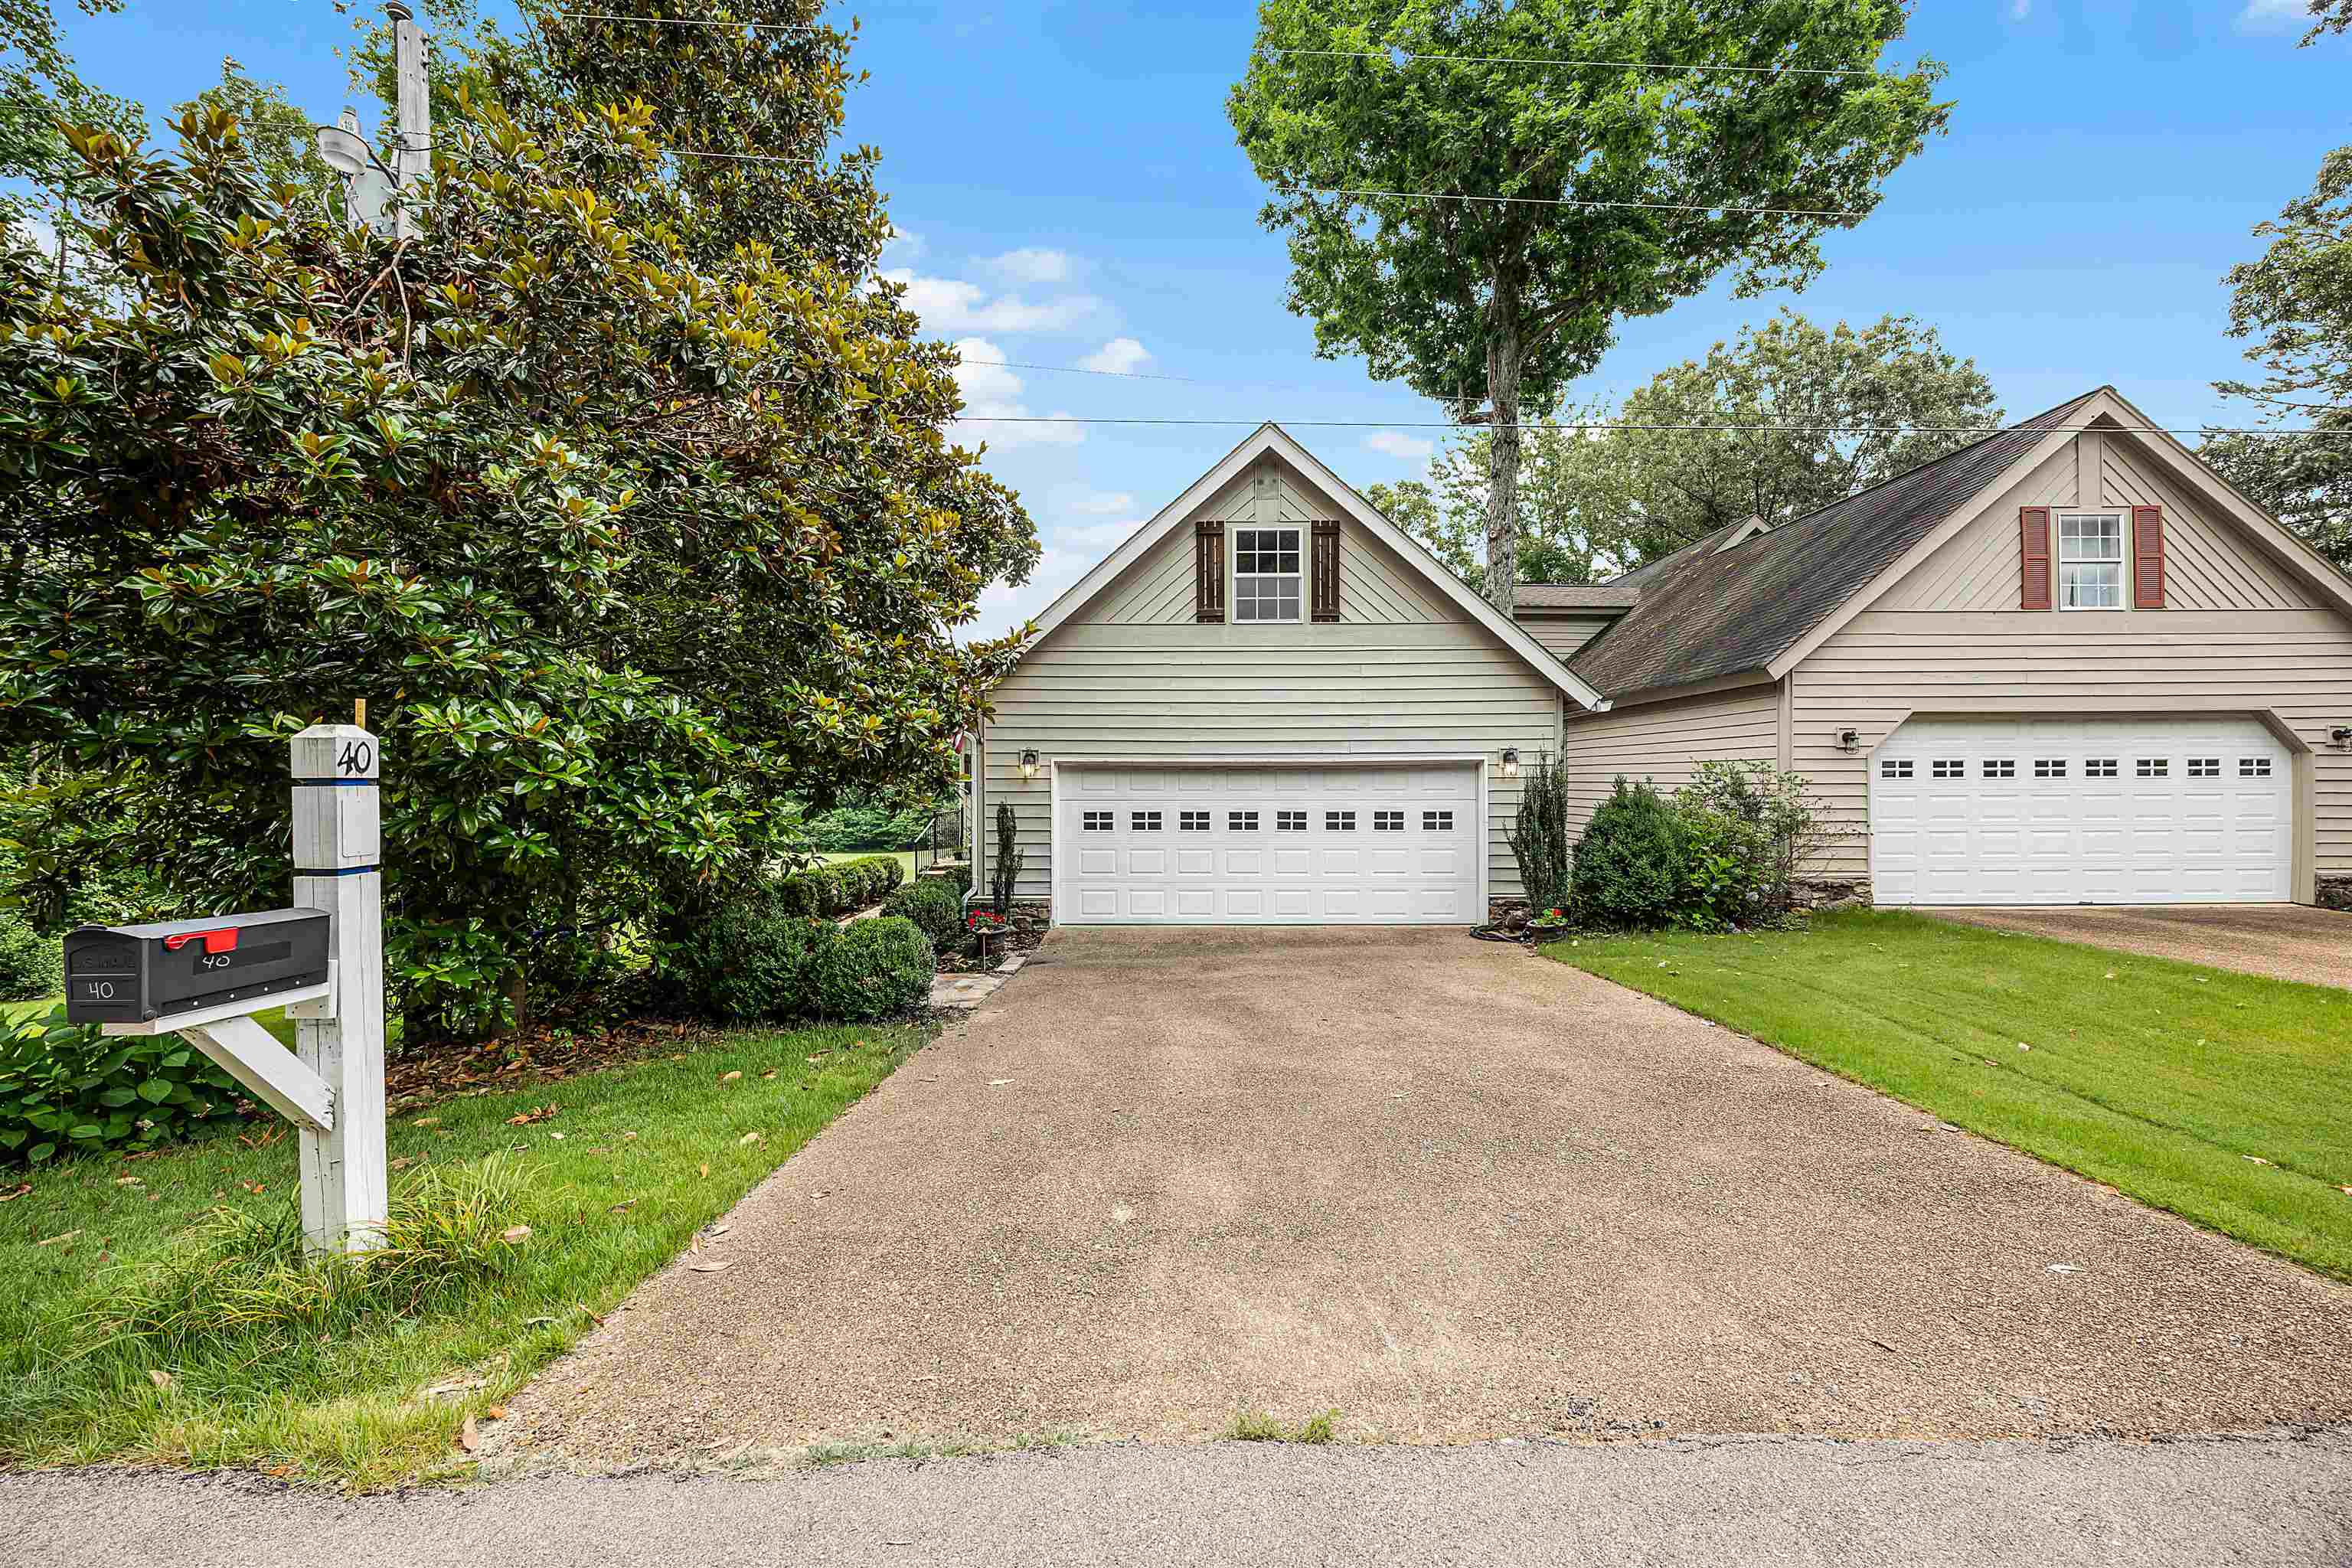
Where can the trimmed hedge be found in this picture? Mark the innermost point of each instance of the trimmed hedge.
(31, 966)
(841, 886)
(875, 969)
(1630, 866)
(935, 904)
(67, 1088)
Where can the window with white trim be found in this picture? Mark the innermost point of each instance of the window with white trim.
(2000, 767)
(1948, 768)
(2101, 767)
(2254, 767)
(1338, 822)
(1098, 821)
(2090, 560)
(1241, 822)
(2204, 767)
(1895, 767)
(1388, 822)
(2153, 768)
(1193, 821)
(1290, 822)
(1143, 821)
(1267, 581)
(2050, 767)
(1437, 822)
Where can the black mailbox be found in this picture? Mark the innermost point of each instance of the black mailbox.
(136, 975)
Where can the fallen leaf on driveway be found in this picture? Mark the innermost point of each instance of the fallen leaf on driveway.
(468, 1437)
(2065, 1268)
(998, 1082)
(496, 1413)
(710, 1265)
(722, 1228)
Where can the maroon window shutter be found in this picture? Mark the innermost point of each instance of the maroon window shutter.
(1326, 571)
(1208, 571)
(2033, 557)
(2147, 558)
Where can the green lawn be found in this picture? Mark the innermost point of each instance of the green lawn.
(2168, 1081)
(617, 1182)
(906, 859)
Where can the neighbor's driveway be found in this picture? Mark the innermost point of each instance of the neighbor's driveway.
(2289, 941)
(1448, 1188)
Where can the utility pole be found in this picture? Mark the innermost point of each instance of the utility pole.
(412, 158)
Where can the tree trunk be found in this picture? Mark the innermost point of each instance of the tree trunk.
(1503, 465)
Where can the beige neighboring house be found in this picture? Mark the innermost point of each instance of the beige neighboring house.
(2064, 664)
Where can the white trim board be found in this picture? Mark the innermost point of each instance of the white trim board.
(1272, 438)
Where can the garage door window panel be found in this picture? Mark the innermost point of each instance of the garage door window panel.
(2090, 561)
(1268, 581)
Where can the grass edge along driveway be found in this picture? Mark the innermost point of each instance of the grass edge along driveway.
(626, 1172)
(2215, 1096)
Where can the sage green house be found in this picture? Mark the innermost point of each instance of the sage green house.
(2065, 663)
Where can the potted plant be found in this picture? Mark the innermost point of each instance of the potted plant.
(985, 925)
(1547, 922)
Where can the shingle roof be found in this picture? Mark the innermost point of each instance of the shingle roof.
(1700, 614)
(1617, 596)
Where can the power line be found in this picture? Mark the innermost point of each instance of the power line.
(1542, 60)
(685, 21)
(1569, 202)
(1782, 429)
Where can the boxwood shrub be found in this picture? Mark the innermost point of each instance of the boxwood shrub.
(877, 969)
(31, 966)
(1631, 866)
(65, 1088)
(934, 903)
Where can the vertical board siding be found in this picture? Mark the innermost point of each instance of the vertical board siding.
(1884, 665)
(2206, 566)
(1092, 690)
(1665, 741)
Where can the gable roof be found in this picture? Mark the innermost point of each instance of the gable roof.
(1271, 438)
(1703, 615)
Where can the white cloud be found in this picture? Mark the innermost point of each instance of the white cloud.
(1033, 265)
(991, 392)
(902, 246)
(2272, 16)
(1397, 444)
(1121, 356)
(1101, 503)
(953, 305)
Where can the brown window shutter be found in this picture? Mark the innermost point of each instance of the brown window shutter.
(2034, 555)
(1208, 571)
(1326, 571)
(2147, 558)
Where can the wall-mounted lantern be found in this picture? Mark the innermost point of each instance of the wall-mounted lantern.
(1029, 762)
(1849, 740)
(1510, 762)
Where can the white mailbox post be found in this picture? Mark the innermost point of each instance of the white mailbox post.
(204, 979)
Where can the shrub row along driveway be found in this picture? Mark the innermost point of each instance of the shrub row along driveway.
(1449, 1189)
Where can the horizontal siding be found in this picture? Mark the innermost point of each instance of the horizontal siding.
(1152, 691)
(1563, 634)
(1884, 665)
(1665, 741)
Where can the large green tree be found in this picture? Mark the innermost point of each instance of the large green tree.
(621, 493)
(1787, 419)
(1477, 222)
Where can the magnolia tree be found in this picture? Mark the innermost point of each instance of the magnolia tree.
(621, 494)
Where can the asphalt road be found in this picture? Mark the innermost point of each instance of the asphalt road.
(1761, 1502)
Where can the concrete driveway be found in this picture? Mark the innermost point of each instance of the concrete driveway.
(1447, 1188)
(2287, 941)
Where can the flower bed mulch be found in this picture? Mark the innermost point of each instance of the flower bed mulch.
(420, 1075)
(1022, 938)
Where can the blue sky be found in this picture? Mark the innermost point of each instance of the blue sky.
(1071, 194)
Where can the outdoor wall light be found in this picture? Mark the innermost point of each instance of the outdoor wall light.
(1849, 740)
(1029, 762)
(1510, 762)
(2341, 734)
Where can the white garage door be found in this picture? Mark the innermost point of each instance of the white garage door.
(1267, 845)
(2147, 810)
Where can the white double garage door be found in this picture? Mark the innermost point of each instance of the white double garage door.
(2141, 810)
(1247, 845)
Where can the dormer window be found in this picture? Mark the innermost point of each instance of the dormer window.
(1268, 584)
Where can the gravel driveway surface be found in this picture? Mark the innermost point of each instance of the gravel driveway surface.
(1452, 1191)
(2287, 941)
